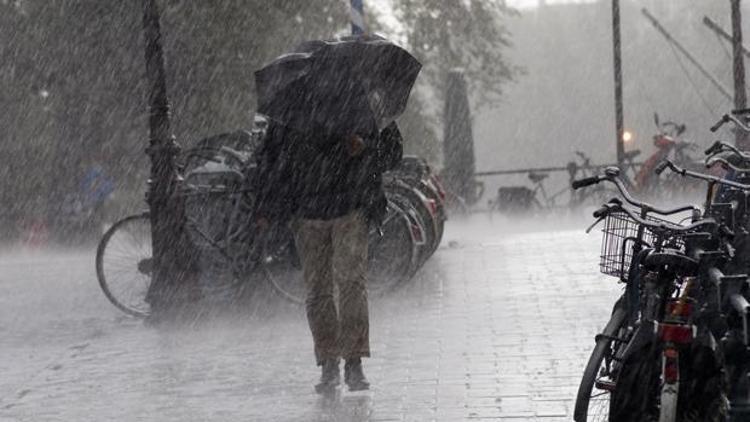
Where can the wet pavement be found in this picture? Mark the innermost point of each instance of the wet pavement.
(497, 326)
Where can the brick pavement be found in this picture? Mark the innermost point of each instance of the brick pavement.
(496, 327)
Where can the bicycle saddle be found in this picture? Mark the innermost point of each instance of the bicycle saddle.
(632, 154)
(537, 177)
(678, 262)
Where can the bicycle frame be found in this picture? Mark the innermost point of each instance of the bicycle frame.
(710, 264)
(658, 316)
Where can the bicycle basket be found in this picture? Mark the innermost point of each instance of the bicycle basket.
(620, 234)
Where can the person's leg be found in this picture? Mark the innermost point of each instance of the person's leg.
(313, 241)
(349, 272)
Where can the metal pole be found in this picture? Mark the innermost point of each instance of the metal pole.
(488, 173)
(162, 150)
(722, 33)
(357, 17)
(619, 113)
(682, 50)
(740, 94)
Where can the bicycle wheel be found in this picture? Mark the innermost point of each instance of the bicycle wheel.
(392, 255)
(281, 266)
(592, 402)
(428, 221)
(438, 211)
(391, 258)
(440, 215)
(701, 396)
(124, 264)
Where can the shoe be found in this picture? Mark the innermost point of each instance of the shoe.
(330, 377)
(354, 376)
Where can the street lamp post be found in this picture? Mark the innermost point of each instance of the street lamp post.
(740, 95)
(162, 150)
(619, 114)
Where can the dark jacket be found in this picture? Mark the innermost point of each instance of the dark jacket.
(312, 176)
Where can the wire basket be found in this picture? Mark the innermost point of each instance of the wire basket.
(620, 234)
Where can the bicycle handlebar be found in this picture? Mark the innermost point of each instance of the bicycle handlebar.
(654, 225)
(731, 118)
(678, 129)
(702, 176)
(714, 160)
(604, 210)
(718, 147)
(588, 181)
(720, 123)
(661, 167)
(612, 175)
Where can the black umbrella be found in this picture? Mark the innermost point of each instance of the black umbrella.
(348, 85)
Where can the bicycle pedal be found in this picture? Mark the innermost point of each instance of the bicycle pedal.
(613, 338)
(605, 385)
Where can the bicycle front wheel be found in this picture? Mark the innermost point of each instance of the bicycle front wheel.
(392, 258)
(411, 200)
(592, 402)
(392, 252)
(281, 266)
(124, 264)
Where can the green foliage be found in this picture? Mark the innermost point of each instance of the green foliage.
(467, 34)
(74, 91)
(72, 77)
(213, 48)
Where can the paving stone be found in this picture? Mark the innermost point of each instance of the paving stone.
(496, 329)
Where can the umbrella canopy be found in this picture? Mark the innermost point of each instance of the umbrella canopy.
(347, 85)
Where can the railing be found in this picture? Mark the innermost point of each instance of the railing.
(489, 173)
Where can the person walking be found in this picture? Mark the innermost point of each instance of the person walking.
(328, 188)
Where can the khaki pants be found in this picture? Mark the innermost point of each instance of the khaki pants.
(334, 252)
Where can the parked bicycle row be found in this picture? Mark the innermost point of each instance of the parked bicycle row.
(234, 255)
(676, 347)
(638, 177)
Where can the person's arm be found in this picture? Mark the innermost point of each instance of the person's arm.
(273, 177)
(390, 149)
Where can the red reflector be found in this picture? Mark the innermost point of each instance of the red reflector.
(682, 310)
(433, 206)
(417, 233)
(670, 353)
(676, 333)
(439, 186)
(671, 368)
(605, 385)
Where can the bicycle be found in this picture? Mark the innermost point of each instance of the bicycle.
(667, 140)
(640, 178)
(425, 209)
(218, 208)
(393, 254)
(640, 368)
(731, 310)
(711, 265)
(410, 234)
(416, 173)
(517, 199)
